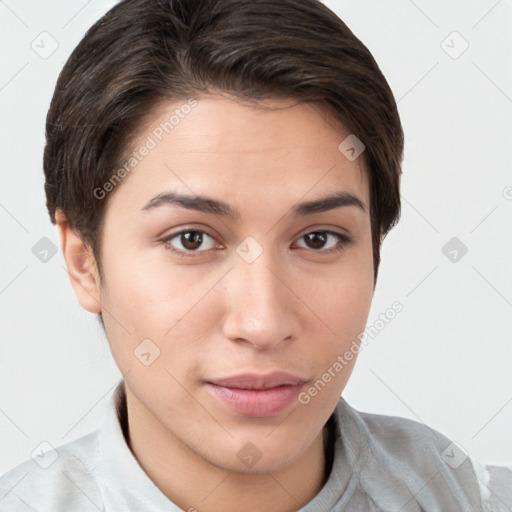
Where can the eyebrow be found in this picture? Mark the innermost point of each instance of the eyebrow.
(206, 204)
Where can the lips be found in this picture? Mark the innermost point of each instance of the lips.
(257, 395)
(260, 382)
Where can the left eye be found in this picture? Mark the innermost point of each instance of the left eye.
(316, 238)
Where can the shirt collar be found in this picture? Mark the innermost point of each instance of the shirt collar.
(125, 482)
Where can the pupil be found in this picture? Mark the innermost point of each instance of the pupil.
(317, 238)
(192, 239)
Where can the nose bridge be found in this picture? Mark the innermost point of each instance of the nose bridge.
(260, 308)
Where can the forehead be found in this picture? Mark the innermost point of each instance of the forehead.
(283, 152)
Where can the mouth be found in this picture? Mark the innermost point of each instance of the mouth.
(257, 395)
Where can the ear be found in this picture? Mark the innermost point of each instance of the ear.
(81, 265)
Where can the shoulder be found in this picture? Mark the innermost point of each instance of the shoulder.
(402, 434)
(420, 464)
(55, 479)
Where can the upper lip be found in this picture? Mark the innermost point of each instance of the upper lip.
(259, 381)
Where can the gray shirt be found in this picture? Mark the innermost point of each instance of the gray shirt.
(379, 463)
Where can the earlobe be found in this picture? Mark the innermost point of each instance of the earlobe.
(81, 265)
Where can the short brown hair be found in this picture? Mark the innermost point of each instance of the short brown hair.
(143, 52)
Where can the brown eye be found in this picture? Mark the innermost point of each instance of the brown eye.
(188, 242)
(317, 240)
(191, 240)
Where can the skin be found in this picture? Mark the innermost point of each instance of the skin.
(295, 308)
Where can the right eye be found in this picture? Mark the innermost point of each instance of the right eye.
(189, 239)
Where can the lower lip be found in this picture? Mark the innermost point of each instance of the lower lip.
(256, 403)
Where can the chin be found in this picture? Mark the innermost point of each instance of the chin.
(261, 462)
(262, 455)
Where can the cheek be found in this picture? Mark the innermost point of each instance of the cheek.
(340, 297)
(335, 355)
(159, 302)
(341, 305)
(148, 294)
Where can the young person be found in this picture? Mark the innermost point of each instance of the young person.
(222, 174)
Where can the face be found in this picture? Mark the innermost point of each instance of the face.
(227, 316)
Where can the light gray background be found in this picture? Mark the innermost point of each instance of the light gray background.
(444, 360)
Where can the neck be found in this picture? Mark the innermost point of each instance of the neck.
(193, 484)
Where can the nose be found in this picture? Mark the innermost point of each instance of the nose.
(261, 308)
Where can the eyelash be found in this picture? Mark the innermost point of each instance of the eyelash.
(343, 241)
